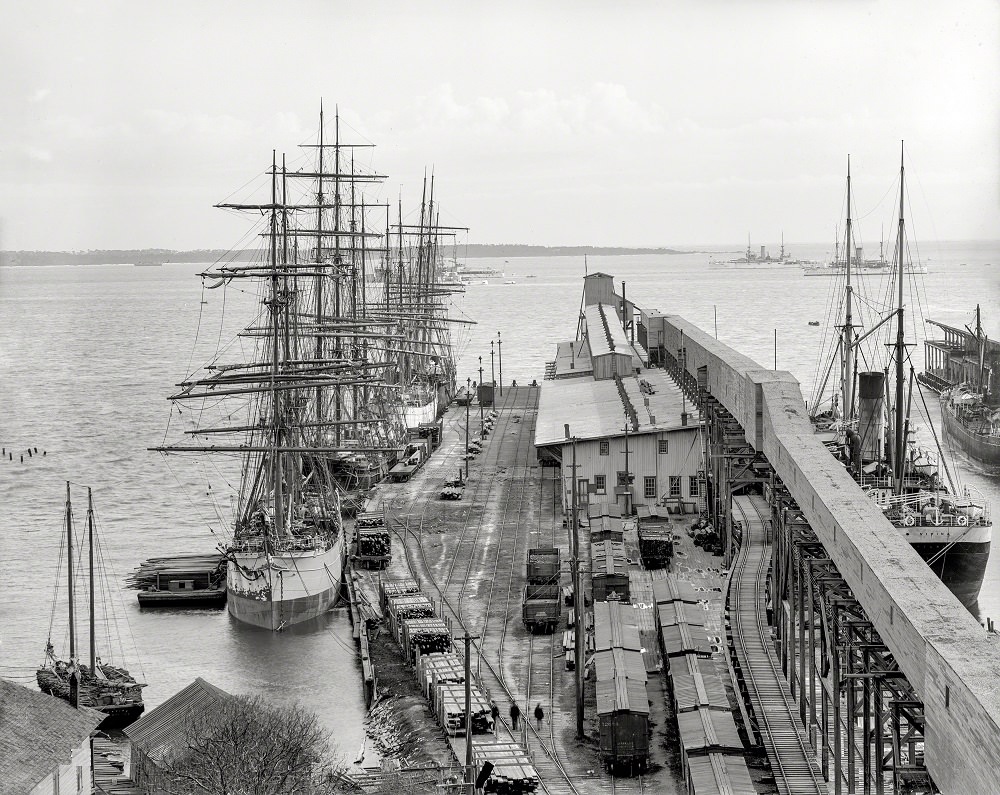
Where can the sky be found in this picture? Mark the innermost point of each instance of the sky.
(634, 123)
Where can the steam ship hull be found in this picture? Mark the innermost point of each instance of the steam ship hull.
(277, 591)
(975, 445)
(961, 566)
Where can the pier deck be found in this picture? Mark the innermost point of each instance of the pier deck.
(469, 558)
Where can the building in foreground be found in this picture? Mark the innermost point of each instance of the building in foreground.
(44, 743)
(637, 438)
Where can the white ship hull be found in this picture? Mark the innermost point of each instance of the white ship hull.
(277, 591)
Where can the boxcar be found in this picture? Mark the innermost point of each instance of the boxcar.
(623, 721)
(680, 613)
(674, 589)
(704, 731)
(609, 571)
(606, 528)
(681, 639)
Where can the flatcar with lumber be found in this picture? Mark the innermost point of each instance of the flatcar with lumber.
(505, 768)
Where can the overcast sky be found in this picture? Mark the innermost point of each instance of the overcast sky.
(604, 123)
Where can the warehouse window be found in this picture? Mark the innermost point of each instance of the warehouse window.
(605, 447)
(693, 485)
(601, 483)
(649, 486)
(663, 447)
(675, 485)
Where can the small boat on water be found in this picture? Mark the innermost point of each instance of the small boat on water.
(813, 322)
(107, 688)
(181, 581)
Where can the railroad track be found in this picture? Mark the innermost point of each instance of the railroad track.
(556, 780)
(776, 713)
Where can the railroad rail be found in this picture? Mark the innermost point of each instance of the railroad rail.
(776, 713)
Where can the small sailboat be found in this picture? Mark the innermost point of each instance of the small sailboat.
(99, 685)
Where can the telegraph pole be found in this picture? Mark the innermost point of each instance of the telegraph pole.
(493, 374)
(468, 392)
(578, 599)
(628, 493)
(481, 425)
(500, 360)
(470, 773)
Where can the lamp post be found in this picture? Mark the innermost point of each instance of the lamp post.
(500, 361)
(481, 424)
(493, 374)
(468, 393)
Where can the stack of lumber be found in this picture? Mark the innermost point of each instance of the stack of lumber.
(449, 705)
(389, 588)
(512, 771)
(414, 605)
(144, 577)
(424, 636)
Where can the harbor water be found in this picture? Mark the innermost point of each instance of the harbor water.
(89, 354)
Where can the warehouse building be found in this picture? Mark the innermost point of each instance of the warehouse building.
(637, 438)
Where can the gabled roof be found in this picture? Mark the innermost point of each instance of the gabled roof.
(160, 729)
(37, 733)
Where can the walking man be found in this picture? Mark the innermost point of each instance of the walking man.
(539, 714)
(515, 713)
(495, 713)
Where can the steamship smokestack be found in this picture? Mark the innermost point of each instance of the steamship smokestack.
(871, 394)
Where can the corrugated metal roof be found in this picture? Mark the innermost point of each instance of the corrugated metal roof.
(695, 683)
(37, 732)
(674, 589)
(622, 695)
(685, 639)
(611, 662)
(681, 613)
(708, 728)
(607, 559)
(604, 509)
(573, 359)
(720, 774)
(615, 626)
(161, 729)
(594, 409)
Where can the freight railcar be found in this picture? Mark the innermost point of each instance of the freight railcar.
(623, 721)
(615, 627)
(609, 571)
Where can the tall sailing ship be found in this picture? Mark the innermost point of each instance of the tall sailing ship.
(963, 367)
(867, 424)
(351, 347)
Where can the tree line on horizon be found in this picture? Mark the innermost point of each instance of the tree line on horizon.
(159, 256)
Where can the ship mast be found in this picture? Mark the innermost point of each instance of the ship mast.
(276, 442)
(69, 574)
(847, 344)
(900, 343)
(90, 542)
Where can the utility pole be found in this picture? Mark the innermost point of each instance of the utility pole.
(493, 373)
(470, 773)
(628, 492)
(468, 392)
(578, 598)
(500, 361)
(481, 423)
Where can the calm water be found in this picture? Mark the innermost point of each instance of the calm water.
(88, 355)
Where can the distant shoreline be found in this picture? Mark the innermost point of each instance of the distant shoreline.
(157, 256)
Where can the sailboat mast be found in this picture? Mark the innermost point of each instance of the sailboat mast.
(90, 544)
(69, 573)
(277, 474)
(900, 344)
(847, 347)
(981, 351)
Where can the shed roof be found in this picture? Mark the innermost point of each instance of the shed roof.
(615, 626)
(612, 662)
(573, 359)
(685, 639)
(622, 695)
(161, 729)
(708, 728)
(719, 774)
(596, 411)
(674, 589)
(37, 732)
(681, 613)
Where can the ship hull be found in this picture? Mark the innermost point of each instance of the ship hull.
(975, 445)
(278, 591)
(961, 568)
